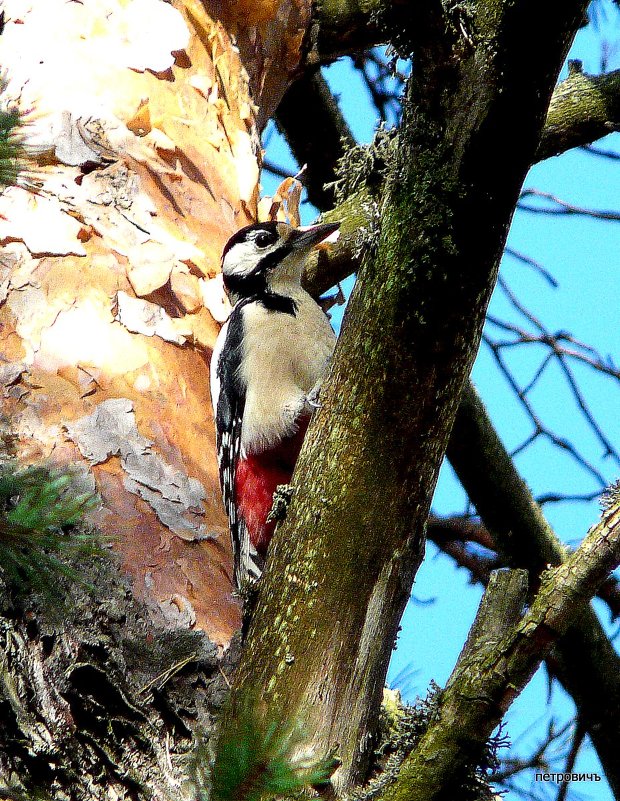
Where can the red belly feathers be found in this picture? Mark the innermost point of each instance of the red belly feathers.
(256, 479)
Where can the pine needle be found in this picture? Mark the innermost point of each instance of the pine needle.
(37, 504)
(257, 758)
(15, 161)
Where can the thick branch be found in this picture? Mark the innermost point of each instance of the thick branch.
(344, 26)
(583, 108)
(489, 676)
(572, 121)
(584, 659)
(309, 98)
(585, 651)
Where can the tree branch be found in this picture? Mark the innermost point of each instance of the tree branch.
(583, 108)
(584, 660)
(341, 565)
(309, 98)
(490, 675)
(585, 651)
(452, 535)
(344, 26)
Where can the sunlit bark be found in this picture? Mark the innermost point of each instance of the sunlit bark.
(145, 121)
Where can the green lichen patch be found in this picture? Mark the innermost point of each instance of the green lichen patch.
(401, 731)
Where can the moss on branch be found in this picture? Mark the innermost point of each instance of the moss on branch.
(341, 565)
(583, 660)
(583, 108)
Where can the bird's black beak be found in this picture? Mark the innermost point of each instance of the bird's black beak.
(308, 238)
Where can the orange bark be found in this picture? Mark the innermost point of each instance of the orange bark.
(146, 120)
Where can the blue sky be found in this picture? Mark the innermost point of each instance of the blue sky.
(582, 255)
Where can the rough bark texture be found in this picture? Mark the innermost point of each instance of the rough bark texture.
(412, 330)
(96, 702)
(583, 108)
(146, 120)
(491, 673)
(479, 458)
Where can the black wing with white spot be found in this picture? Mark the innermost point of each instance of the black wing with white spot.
(228, 398)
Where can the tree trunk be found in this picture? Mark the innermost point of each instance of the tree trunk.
(145, 121)
(96, 702)
(342, 564)
(146, 116)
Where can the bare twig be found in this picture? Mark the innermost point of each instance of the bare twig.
(383, 85)
(601, 152)
(562, 207)
(577, 741)
(461, 538)
(535, 265)
(557, 353)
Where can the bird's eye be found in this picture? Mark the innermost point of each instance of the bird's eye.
(263, 239)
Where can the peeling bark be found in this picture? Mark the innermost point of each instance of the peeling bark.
(145, 125)
(96, 702)
(109, 305)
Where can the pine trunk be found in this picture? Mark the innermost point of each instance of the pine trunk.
(145, 118)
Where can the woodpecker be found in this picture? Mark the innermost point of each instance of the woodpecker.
(266, 370)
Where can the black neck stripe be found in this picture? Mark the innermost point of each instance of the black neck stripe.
(280, 303)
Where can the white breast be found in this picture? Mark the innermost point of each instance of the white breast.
(284, 359)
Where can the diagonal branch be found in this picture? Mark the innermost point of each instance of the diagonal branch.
(309, 98)
(583, 108)
(452, 536)
(583, 660)
(489, 674)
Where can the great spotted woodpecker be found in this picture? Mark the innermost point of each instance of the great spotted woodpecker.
(266, 368)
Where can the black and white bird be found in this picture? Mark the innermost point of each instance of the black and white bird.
(266, 369)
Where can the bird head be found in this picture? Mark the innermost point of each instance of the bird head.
(269, 257)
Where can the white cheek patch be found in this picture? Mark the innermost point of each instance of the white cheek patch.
(240, 259)
(243, 258)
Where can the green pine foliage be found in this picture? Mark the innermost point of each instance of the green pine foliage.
(10, 147)
(37, 505)
(257, 758)
(14, 160)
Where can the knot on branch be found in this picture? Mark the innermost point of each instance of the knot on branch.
(281, 501)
